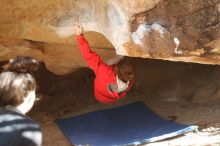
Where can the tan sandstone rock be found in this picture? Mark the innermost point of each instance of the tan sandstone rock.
(176, 30)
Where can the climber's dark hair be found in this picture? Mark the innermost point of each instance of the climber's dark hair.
(16, 81)
(126, 61)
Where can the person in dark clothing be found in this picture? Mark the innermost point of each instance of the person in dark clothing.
(17, 96)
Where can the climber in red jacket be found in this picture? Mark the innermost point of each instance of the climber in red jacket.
(112, 82)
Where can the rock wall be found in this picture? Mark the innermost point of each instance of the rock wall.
(193, 25)
(177, 30)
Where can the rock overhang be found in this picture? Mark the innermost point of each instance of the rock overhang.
(175, 30)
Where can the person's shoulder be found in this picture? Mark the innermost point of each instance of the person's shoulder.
(13, 116)
(10, 112)
(26, 130)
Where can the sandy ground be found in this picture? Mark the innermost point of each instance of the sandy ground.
(206, 116)
(73, 95)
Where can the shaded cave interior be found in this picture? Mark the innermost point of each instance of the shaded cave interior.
(184, 92)
(174, 83)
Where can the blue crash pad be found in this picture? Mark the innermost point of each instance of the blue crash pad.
(131, 124)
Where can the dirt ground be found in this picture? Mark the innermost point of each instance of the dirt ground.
(71, 95)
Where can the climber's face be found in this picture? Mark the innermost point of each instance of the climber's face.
(125, 72)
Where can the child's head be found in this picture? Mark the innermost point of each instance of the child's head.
(17, 86)
(125, 69)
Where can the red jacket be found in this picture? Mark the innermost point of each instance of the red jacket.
(105, 85)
